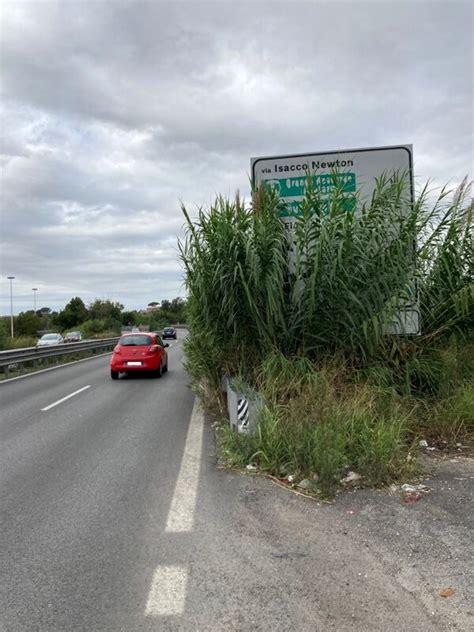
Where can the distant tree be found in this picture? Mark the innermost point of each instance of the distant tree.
(27, 324)
(173, 311)
(72, 315)
(105, 310)
(45, 313)
(129, 318)
(4, 331)
(157, 322)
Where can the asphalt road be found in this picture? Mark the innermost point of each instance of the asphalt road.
(114, 517)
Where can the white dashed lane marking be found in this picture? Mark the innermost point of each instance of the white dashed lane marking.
(168, 591)
(63, 399)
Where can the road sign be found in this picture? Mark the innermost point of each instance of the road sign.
(354, 170)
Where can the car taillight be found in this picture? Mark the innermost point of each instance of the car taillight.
(117, 349)
(154, 348)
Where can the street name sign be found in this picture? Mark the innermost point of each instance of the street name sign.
(355, 170)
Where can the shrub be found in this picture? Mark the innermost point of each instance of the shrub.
(90, 328)
(449, 420)
(19, 342)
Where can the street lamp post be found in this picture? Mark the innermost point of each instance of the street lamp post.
(35, 289)
(10, 278)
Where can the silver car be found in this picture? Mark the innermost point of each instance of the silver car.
(73, 336)
(50, 339)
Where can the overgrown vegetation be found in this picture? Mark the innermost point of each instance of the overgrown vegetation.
(304, 316)
(317, 424)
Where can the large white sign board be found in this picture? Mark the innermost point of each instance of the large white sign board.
(357, 170)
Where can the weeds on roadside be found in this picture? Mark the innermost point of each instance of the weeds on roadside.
(303, 317)
(326, 428)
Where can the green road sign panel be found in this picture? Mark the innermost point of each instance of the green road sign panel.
(324, 183)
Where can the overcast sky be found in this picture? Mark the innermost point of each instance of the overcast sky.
(114, 112)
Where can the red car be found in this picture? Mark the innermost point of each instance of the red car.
(139, 352)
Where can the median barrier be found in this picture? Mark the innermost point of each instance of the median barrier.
(17, 358)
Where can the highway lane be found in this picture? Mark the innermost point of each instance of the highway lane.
(115, 518)
(78, 483)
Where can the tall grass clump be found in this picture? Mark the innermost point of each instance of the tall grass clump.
(235, 259)
(19, 342)
(280, 307)
(325, 428)
(333, 285)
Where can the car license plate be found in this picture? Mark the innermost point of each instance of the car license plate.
(134, 363)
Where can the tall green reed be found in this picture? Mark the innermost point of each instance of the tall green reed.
(332, 285)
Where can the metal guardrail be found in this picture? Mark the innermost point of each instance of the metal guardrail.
(17, 357)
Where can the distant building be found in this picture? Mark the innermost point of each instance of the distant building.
(153, 307)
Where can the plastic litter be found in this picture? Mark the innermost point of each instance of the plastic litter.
(352, 477)
(410, 489)
(446, 592)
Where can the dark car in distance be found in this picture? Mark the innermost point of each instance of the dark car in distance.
(73, 336)
(169, 332)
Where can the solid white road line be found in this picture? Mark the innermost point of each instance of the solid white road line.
(63, 399)
(181, 513)
(168, 591)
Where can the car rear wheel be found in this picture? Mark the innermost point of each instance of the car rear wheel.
(114, 375)
(165, 368)
(159, 371)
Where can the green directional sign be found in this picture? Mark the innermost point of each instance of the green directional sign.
(324, 183)
(292, 190)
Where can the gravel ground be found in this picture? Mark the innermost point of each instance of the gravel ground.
(426, 546)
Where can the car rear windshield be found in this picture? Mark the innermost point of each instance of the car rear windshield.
(50, 337)
(135, 341)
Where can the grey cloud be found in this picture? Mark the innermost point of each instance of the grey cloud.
(115, 112)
